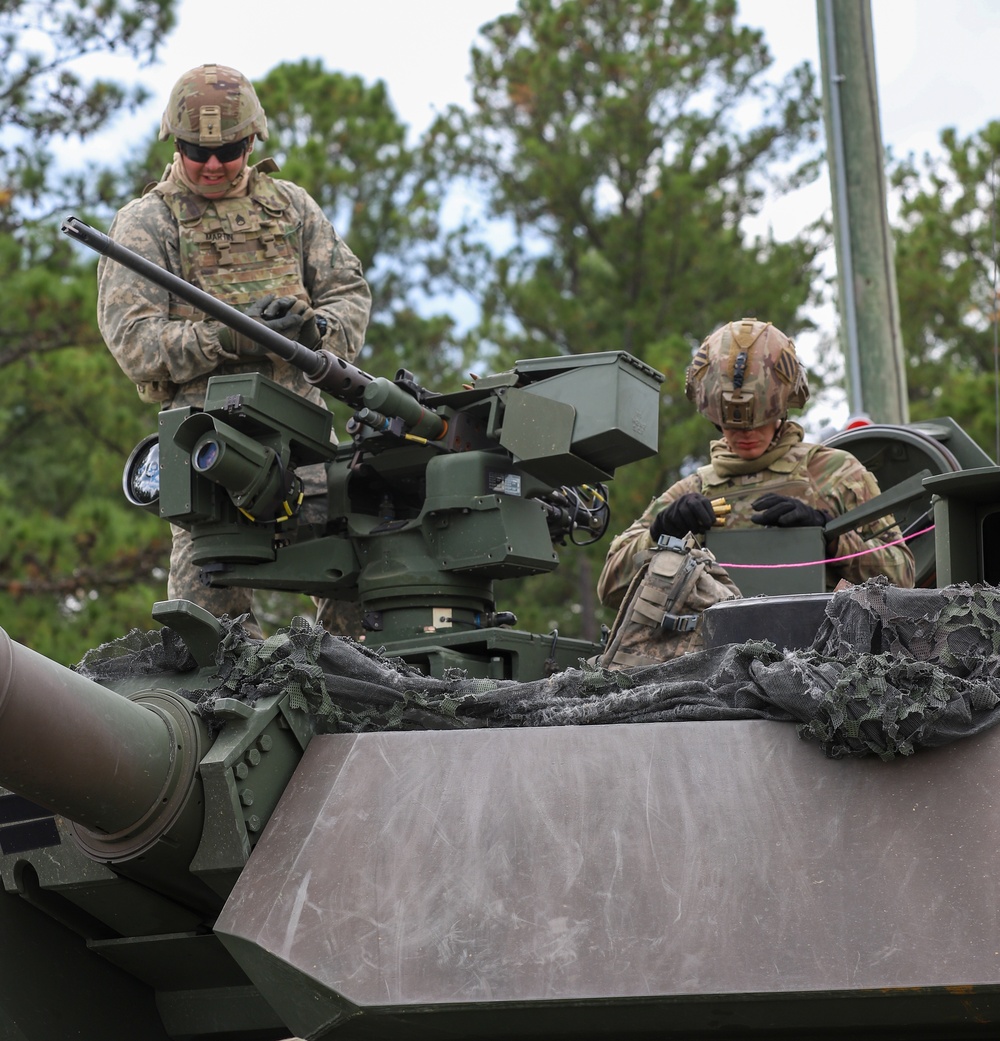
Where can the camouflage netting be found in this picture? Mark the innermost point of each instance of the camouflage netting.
(891, 670)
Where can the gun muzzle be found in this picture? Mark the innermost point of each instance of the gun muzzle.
(122, 769)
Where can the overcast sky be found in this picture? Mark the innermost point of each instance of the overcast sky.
(936, 62)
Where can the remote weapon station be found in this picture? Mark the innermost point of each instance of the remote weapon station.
(434, 498)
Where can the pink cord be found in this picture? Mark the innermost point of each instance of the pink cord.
(835, 560)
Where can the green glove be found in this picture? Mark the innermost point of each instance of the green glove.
(242, 346)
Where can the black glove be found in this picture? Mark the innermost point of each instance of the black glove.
(782, 511)
(289, 316)
(691, 512)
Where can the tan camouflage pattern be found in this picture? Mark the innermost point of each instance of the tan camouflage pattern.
(184, 583)
(676, 583)
(275, 239)
(746, 374)
(170, 350)
(211, 106)
(825, 478)
(239, 254)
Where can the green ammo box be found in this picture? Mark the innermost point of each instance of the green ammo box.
(580, 417)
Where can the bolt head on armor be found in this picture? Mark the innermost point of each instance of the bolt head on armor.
(745, 375)
(213, 105)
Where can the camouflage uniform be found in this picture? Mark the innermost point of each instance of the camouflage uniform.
(746, 375)
(274, 240)
(271, 237)
(825, 478)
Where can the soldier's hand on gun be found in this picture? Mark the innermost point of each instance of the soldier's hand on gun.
(692, 512)
(242, 346)
(783, 511)
(289, 316)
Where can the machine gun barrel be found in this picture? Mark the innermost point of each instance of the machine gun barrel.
(322, 368)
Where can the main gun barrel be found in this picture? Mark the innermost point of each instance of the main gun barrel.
(109, 764)
(322, 368)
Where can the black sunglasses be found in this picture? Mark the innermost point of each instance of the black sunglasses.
(224, 153)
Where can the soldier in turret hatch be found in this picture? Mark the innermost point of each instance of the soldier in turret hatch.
(744, 378)
(256, 242)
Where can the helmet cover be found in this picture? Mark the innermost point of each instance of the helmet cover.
(213, 105)
(745, 375)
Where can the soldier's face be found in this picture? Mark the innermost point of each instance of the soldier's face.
(213, 176)
(750, 444)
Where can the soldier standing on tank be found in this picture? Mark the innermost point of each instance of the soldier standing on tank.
(744, 378)
(258, 243)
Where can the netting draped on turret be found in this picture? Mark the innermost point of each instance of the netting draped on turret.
(890, 670)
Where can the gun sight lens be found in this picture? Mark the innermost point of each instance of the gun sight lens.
(207, 456)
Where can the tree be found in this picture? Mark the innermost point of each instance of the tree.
(623, 144)
(946, 273)
(76, 563)
(43, 95)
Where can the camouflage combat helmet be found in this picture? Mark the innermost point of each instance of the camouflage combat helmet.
(213, 105)
(746, 374)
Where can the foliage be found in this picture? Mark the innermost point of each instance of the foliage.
(611, 139)
(44, 95)
(77, 565)
(946, 272)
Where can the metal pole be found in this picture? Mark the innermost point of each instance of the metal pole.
(869, 307)
(845, 260)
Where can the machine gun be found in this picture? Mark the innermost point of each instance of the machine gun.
(435, 497)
